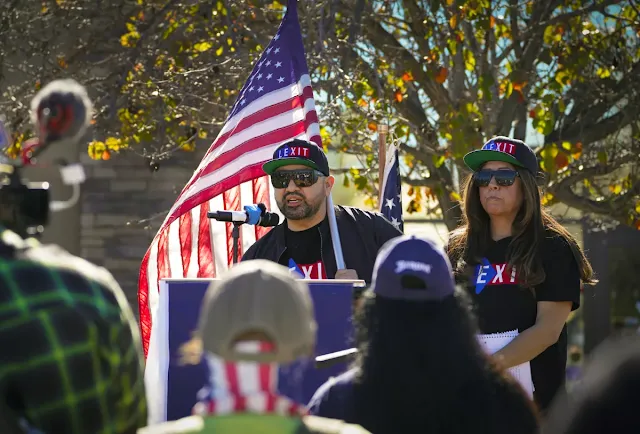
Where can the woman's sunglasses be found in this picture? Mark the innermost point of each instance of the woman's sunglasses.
(503, 177)
(301, 178)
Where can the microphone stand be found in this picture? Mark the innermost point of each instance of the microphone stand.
(235, 235)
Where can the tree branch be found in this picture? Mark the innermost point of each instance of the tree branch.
(592, 132)
(422, 182)
(541, 25)
(387, 43)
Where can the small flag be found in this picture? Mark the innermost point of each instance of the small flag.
(391, 205)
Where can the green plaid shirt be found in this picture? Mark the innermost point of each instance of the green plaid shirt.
(70, 353)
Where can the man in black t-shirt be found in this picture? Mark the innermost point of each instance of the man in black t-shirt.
(300, 176)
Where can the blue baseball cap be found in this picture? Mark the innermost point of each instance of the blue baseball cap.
(408, 255)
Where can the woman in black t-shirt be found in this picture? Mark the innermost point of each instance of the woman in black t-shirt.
(522, 268)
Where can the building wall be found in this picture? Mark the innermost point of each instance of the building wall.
(119, 200)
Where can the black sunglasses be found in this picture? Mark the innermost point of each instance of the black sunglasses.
(503, 177)
(301, 178)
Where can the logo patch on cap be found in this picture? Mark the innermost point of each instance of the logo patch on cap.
(413, 266)
(293, 151)
(495, 145)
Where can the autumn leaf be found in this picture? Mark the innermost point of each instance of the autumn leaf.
(62, 63)
(492, 21)
(203, 46)
(546, 199)
(96, 149)
(398, 96)
(407, 76)
(372, 126)
(454, 196)
(113, 143)
(532, 114)
(106, 155)
(519, 86)
(442, 75)
(562, 160)
(615, 188)
(453, 21)
(414, 206)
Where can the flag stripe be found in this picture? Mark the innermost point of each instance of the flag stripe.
(185, 240)
(272, 135)
(194, 260)
(275, 104)
(261, 195)
(238, 123)
(206, 264)
(232, 200)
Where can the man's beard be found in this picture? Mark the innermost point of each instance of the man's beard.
(303, 211)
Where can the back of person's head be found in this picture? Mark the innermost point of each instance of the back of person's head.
(258, 301)
(258, 317)
(421, 368)
(606, 401)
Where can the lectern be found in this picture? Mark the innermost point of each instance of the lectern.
(173, 383)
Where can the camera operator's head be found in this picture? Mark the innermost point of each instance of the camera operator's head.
(61, 113)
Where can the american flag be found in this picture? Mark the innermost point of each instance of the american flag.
(275, 105)
(391, 205)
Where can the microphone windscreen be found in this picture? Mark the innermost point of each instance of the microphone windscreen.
(270, 219)
(61, 111)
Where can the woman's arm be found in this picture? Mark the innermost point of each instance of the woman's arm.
(551, 318)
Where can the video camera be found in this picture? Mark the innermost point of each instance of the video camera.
(61, 113)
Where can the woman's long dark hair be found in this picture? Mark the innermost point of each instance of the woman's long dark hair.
(421, 370)
(532, 224)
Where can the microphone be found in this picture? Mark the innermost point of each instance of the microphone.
(252, 214)
(61, 112)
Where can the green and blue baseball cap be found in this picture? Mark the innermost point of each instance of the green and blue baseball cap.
(504, 149)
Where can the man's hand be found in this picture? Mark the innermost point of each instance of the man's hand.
(346, 274)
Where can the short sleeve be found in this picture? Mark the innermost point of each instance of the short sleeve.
(562, 281)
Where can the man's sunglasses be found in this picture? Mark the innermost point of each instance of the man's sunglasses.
(301, 178)
(504, 177)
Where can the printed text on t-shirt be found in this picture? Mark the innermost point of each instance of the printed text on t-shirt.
(494, 274)
(313, 271)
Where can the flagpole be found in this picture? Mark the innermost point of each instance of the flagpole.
(383, 130)
(335, 234)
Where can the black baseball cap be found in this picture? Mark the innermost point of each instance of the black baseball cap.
(298, 151)
(504, 149)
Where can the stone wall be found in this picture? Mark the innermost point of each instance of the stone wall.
(120, 198)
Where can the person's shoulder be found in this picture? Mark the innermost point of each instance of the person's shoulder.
(360, 215)
(355, 213)
(555, 243)
(333, 387)
(54, 257)
(74, 273)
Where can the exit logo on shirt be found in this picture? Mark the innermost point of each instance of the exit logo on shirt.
(494, 274)
(308, 271)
